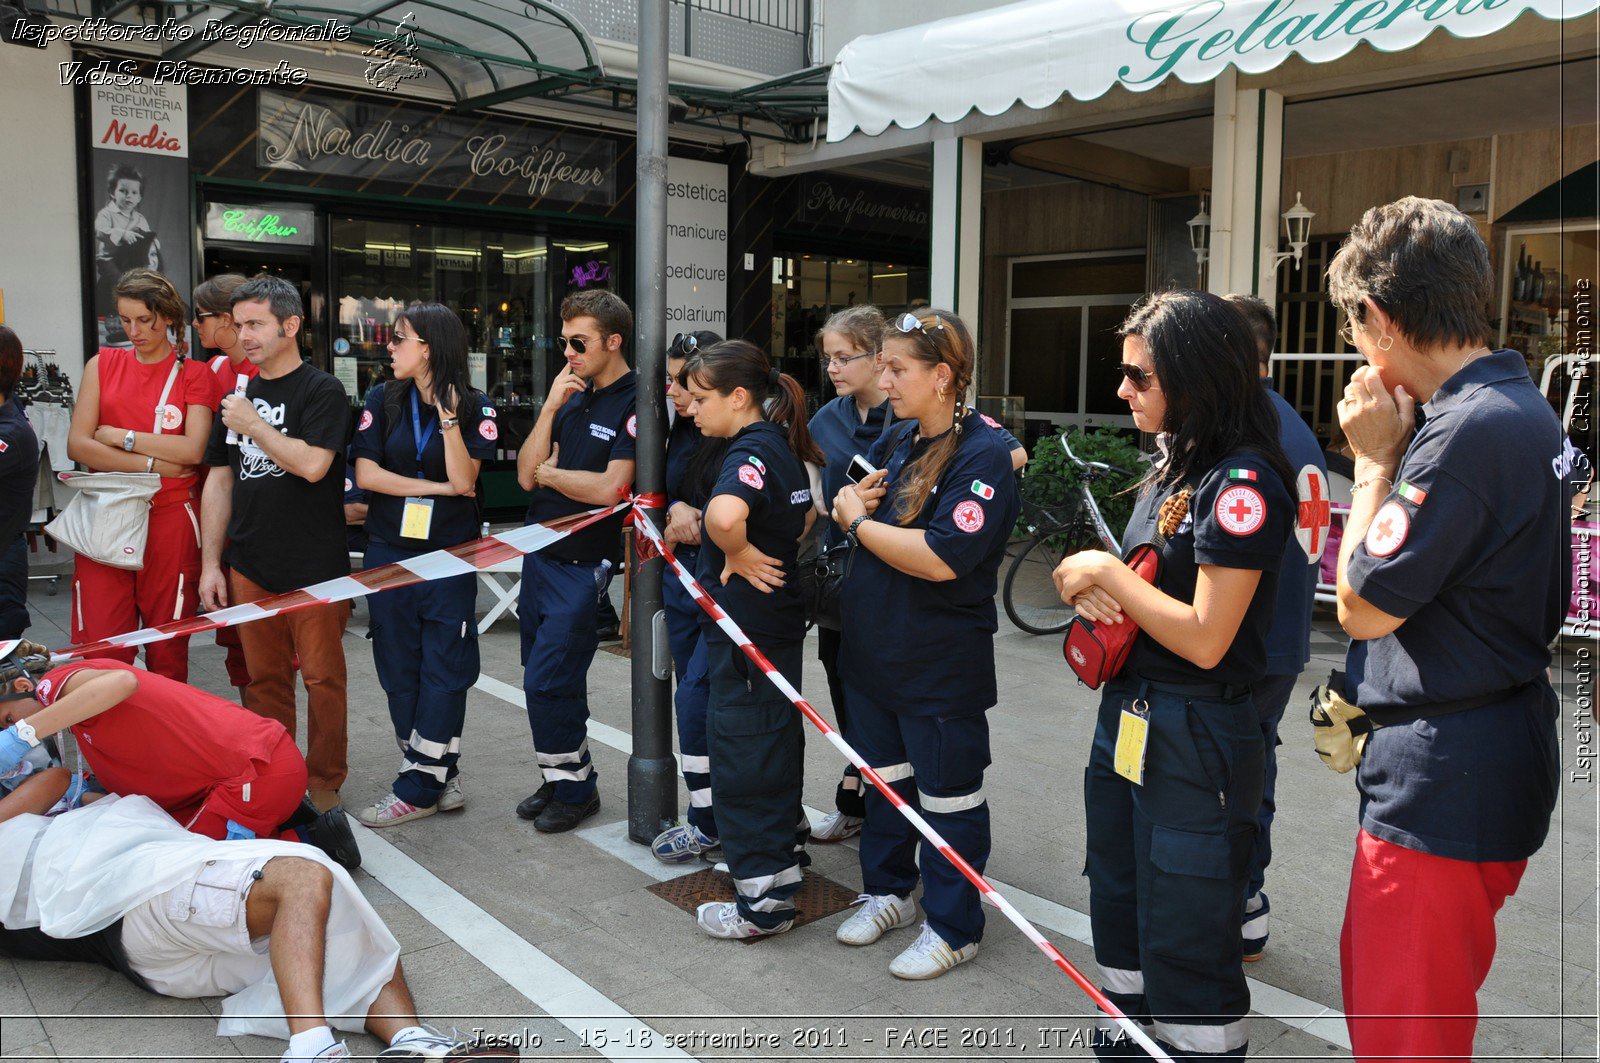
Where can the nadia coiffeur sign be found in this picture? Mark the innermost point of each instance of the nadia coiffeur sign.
(403, 145)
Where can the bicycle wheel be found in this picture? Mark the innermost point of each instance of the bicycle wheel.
(1030, 594)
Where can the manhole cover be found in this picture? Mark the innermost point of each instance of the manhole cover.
(819, 897)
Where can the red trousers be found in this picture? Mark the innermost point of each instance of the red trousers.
(263, 804)
(114, 601)
(1417, 943)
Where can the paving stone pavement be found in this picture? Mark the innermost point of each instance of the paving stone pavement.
(489, 912)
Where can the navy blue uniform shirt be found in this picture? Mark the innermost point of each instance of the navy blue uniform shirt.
(389, 437)
(693, 463)
(1240, 516)
(1289, 637)
(1471, 549)
(842, 434)
(593, 429)
(760, 469)
(915, 646)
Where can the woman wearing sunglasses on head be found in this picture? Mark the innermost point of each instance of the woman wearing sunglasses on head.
(418, 447)
(758, 510)
(692, 465)
(1176, 769)
(931, 528)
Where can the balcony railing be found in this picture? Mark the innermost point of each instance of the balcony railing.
(770, 37)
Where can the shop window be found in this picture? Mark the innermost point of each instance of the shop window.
(1062, 345)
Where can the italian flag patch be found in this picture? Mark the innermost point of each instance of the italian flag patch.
(1242, 474)
(982, 490)
(1411, 493)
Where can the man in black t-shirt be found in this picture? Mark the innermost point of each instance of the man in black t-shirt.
(280, 514)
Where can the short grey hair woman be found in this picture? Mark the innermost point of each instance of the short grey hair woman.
(1453, 580)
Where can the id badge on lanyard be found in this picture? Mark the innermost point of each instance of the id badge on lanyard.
(1133, 734)
(416, 519)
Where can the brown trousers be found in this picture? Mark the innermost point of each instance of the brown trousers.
(270, 646)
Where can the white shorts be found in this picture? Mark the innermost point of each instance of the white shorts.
(193, 940)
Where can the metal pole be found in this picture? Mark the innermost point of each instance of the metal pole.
(652, 773)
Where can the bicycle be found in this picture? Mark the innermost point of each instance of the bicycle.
(1060, 520)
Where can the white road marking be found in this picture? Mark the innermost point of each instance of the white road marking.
(1269, 1001)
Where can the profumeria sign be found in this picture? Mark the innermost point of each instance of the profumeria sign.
(1037, 51)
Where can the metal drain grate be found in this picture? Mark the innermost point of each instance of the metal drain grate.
(819, 897)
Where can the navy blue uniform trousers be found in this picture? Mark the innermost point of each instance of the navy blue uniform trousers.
(936, 764)
(558, 606)
(757, 745)
(1167, 862)
(686, 637)
(425, 649)
(1272, 697)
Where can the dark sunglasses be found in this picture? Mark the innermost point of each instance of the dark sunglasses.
(1136, 375)
(201, 315)
(577, 343)
(909, 322)
(683, 345)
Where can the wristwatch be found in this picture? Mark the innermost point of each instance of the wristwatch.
(127, 441)
(26, 732)
(856, 524)
(447, 423)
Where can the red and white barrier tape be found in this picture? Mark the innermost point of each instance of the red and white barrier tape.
(439, 564)
(646, 528)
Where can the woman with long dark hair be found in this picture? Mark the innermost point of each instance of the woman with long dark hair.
(1175, 773)
(145, 408)
(756, 515)
(930, 528)
(693, 462)
(419, 445)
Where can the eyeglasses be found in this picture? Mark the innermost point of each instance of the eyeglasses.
(909, 322)
(1137, 376)
(1347, 331)
(683, 345)
(578, 344)
(397, 338)
(201, 315)
(840, 363)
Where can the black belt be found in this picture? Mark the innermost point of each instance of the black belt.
(1223, 691)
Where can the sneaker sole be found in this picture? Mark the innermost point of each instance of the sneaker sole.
(456, 807)
(875, 940)
(834, 839)
(925, 977)
(395, 821)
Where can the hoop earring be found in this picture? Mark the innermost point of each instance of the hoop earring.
(1385, 342)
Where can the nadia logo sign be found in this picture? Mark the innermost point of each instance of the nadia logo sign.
(1199, 31)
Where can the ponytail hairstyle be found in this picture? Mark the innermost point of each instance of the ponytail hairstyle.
(862, 325)
(159, 296)
(932, 344)
(731, 364)
(438, 326)
(1205, 356)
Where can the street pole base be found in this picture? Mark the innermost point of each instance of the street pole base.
(652, 797)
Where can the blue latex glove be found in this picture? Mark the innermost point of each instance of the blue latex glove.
(236, 832)
(12, 749)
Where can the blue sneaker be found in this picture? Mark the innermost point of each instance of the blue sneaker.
(1255, 926)
(677, 845)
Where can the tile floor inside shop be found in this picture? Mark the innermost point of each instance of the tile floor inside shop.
(561, 941)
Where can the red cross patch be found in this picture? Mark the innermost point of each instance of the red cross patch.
(750, 478)
(969, 516)
(633, 426)
(1387, 532)
(1314, 515)
(488, 430)
(171, 418)
(366, 421)
(4, 446)
(1241, 510)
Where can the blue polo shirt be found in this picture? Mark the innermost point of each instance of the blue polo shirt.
(915, 646)
(593, 428)
(760, 469)
(1471, 550)
(842, 434)
(1240, 516)
(1289, 637)
(389, 435)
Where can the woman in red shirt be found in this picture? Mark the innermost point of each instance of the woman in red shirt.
(147, 409)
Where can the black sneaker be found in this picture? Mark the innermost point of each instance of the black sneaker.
(560, 816)
(535, 802)
(331, 833)
(608, 632)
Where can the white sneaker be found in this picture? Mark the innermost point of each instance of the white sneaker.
(929, 957)
(836, 828)
(390, 811)
(452, 800)
(422, 1042)
(337, 1050)
(878, 915)
(721, 919)
(682, 843)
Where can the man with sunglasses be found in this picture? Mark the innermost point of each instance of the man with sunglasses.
(579, 456)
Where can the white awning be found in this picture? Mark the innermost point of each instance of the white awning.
(1036, 51)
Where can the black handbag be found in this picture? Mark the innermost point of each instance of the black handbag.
(822, 574)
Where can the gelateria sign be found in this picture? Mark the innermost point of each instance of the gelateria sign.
(991, 60)
(284, 226)
(382, 143)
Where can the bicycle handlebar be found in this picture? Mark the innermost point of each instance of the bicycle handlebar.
(1099, 466)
